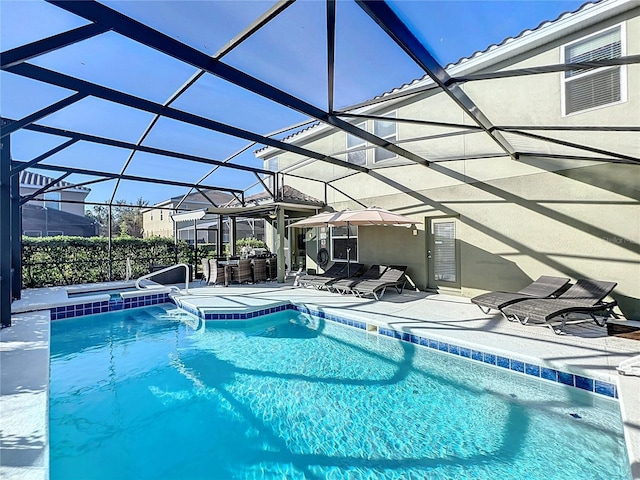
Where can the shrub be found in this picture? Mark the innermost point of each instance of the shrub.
(50, 261)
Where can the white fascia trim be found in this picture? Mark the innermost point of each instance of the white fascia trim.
(529, 40)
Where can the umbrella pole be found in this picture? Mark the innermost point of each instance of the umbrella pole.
(348, 251)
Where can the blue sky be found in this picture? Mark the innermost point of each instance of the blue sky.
(289, 53)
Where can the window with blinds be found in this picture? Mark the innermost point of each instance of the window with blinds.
(589, 88)
(444, 254)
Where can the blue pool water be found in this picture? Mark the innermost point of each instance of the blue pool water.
(138, 394)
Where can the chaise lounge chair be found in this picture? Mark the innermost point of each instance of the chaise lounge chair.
(394, 276)
(333, 271)
(353, 270)
(585, 297)
(543, 287)
(346, 284)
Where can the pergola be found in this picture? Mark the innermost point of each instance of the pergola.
(178, 145)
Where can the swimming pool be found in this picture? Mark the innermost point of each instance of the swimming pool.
(137, 394)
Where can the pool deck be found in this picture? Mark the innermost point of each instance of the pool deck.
(585, 350)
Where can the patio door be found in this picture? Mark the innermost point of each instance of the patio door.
(443, 253)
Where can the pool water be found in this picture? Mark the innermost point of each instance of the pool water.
(138, 394)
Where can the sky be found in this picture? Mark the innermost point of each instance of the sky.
(289, 53)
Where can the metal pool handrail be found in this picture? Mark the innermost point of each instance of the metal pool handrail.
(149, 275)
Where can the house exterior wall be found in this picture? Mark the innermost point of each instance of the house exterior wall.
(157, 222)
(516, 219)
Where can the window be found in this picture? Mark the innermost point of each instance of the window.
(52, 200)
(160, 215)
(444, 254)
(593, 87)
(344, 244)
(387, 131)
(151, 215)
(272, 165)
(54, 233)
(356, 147)
(32, 233)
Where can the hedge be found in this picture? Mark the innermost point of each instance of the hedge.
(51, 261)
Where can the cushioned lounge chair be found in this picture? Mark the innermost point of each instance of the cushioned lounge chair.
(585, 297)
(353, 270)
(542, 288)
(331, 272)
(394, 276)
(346, 284)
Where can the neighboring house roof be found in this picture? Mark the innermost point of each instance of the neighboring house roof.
(33, 179)
(287, 194)
(220, 198)
(216, 196)
(545, 32)
(37, 218)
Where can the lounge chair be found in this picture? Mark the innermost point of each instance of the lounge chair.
(543, 287)
(332, 272)
(353, 270)
(394, 276)
(585, 297)
(346, 284)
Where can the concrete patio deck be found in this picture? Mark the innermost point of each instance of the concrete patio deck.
(584, 350)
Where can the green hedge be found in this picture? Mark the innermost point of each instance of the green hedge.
(51, 261)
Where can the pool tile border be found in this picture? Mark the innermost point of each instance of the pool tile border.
(105, 306)
(595, 386)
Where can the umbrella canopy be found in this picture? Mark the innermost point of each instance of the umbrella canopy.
(367, 216)
(320, 220)
(374, 216)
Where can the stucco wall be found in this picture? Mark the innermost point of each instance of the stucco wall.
(516, 219)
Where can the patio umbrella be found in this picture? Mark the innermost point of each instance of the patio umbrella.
(374, 216)
(320, 220)
(367, 216)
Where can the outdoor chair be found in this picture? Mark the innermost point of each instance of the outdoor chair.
(543, 287)
(585, 297)
(241, 272)
(206, 271)
(322, 282)
(394, 276)
(217, 273)
(346, 284)
(272, 271)
(331, 272)
(259, 270)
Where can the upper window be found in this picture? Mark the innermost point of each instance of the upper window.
(356, 147)
(387, 131)
(593, 87)
(272, 165)
(52, 200)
